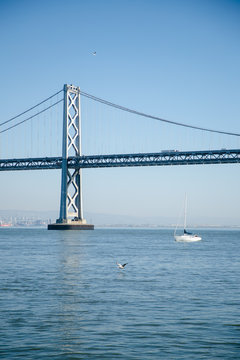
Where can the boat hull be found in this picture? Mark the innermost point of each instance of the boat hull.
(187, 238)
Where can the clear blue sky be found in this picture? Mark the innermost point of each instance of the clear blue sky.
(174, 59)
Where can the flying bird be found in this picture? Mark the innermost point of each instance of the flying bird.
(121, 266)
(94, 53)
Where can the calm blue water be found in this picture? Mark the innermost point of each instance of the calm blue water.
(62, 296)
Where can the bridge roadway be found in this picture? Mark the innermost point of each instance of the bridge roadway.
(163, 158)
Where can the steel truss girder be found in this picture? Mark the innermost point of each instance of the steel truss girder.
(230, 156)
(31, 164)
(158, 159)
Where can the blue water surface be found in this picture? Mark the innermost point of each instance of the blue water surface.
(63, 297)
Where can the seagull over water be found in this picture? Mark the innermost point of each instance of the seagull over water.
(121, 266)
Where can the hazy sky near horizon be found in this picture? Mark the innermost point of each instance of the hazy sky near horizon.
(175, 59)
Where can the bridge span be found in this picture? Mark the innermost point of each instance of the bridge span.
(164, 158)
(73, 161)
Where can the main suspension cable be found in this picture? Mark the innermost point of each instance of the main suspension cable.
(29, 118)
(154, 117)
(33, 107)
(92, 97)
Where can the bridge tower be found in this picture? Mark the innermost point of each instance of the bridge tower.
(71, 210)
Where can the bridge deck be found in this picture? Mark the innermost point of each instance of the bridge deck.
(164, 158)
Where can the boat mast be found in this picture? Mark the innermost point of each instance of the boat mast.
(185, 212)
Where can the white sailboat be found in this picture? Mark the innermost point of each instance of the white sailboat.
(186, 236)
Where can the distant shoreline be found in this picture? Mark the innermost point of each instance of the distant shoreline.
(146, 227)
(118, 226)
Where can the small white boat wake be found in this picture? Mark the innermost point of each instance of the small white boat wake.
(121, 266)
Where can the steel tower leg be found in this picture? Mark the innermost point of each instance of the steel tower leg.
(71, 212)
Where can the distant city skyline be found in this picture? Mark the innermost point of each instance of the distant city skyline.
(20, 216)
(176, 60)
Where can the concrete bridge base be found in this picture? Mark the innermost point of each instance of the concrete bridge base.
(71, 225)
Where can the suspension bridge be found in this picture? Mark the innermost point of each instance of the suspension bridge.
(72, 161)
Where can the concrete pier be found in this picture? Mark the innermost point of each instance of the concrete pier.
(71, 225)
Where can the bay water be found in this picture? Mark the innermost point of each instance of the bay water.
(63, 297)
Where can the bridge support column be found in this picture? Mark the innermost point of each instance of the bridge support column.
(71, 212)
